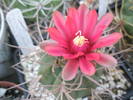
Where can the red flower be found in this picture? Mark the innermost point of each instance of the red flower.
(77, 37)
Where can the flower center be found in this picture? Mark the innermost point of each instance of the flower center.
(79, 40)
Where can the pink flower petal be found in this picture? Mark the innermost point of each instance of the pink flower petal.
(92, 56)
(70, 70)
(59, 21)
(106, 60)
(70, 27)
(86, 67)
(101, 26)
(90, 22)
(82, 12)
(47, 42)
(57, 36)
(52, 48)
(107, 41)
(72, 56)
(73, 14)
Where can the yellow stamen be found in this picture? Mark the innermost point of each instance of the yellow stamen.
(79, 40)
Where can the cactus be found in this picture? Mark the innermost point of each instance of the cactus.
(53, 78)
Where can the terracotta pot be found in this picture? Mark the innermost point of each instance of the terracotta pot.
(6, 84)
